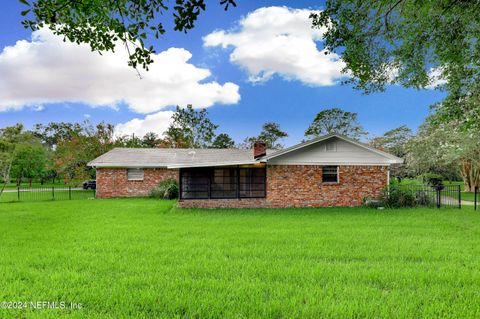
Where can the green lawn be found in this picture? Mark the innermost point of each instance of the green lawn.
(145, 258)
(470, 196)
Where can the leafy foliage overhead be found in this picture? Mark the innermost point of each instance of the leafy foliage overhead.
(101, 23)
(406, 42)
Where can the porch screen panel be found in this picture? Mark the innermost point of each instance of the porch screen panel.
(195, 184)
(224, 183)
(252, 182)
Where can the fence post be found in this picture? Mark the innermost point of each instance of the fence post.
(18, 193)
(69, 192)
(53, 192)
(459, 197)
(438, 198)
(475, 197)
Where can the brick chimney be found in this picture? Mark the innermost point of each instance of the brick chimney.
(259, 149)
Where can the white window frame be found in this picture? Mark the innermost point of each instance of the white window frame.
(338, 175)
(135, 174)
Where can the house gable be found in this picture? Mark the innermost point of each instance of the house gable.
(332, 150)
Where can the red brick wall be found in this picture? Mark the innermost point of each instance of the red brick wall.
(112, 182)
(302, 186)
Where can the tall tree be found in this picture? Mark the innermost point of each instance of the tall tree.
(447, 150)
(223, 140)
(412, 43)
(102, 23)
(150, 140)
(191, 127)
(53, 133)
(335, 120)
(394, 141)
(10, 138)
(71, 156)
(29, 161)
(271, 135)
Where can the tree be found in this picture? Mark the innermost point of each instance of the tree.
(270, 135)
(190, 128)
(447, 150)
(29, 161)
(394, 141)
(223, 140)
(129, 141)
(11, 137)
(71, 156)
(335, 120)
(412, 43)
(150, 140)
(53, 133)
(102, 23)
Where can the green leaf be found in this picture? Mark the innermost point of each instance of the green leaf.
(25, 12)
(24, 2)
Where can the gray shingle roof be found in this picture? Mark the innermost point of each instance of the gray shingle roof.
(173, 157)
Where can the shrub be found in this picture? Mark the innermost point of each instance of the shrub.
(397, 198)
(422, 198)
(167, 189)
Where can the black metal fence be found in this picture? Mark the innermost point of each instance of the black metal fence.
(433, 196)
(32, 194)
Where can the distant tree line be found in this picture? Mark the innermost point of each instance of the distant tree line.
(59, 151)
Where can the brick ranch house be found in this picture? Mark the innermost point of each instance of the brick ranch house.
(328, 171)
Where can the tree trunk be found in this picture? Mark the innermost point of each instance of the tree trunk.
(30, 182)
(470, 172)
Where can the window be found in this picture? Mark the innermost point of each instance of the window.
(195, 184)
(217, 183)
(330, 174)
(135, 174)
(224, 183)
(252, 182)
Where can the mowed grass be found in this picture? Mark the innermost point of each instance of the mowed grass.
(145, 258)
(470, 196)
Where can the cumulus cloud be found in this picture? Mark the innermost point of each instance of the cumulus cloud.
(279, 40)
(48, 70)
(157, 123)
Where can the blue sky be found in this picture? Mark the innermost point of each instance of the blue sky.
(288, 94)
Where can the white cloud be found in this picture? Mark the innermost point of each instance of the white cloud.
(279, 40)
(157, 123)
(48, 70)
